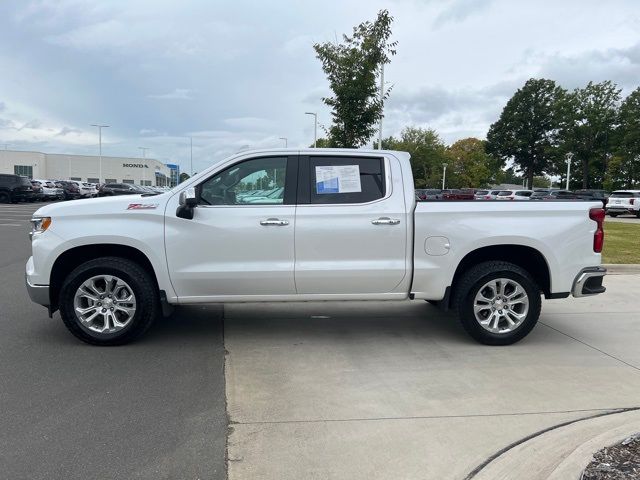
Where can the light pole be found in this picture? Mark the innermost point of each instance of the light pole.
(381, 106)
(286, 143)
(191, 155)
(144, 164)
(100, 127)
(569, 158)
(315, 127)
(444, 174)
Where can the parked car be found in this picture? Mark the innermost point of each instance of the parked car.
(49, 190)
(467, 194)
(14, 188)
(486, 194)
(71, 190)
(90, 188)
(38, 194)
(110, 189)
(451, 194)
(430, 194)
(111, 265)
(514, 195)
(624, 201)
(553, 195)
(601, 195)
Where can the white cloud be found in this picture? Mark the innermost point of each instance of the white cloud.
(177, 94)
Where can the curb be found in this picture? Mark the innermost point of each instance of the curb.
(560, 452)
(622, 268)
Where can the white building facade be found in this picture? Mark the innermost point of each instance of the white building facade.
(86, 168)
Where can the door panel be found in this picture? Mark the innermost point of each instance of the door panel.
(241, 238)
(351, 248)
(226, 251)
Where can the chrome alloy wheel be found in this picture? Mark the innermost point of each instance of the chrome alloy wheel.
(104, 304)
(501, 305)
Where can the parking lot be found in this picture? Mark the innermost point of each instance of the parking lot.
(313, 390)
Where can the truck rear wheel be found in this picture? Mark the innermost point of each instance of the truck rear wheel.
(108, 301)
(498, 302)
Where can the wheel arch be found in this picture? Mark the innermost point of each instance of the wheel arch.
(527, 258)
(76, 256)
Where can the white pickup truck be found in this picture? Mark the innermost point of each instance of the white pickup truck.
(300, 225)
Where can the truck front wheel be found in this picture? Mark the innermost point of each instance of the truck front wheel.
(108, 301)
(498, 302)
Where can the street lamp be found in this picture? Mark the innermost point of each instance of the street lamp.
(286, 143)
(100, 127)
(444, 174)
(315, 127)
(144, 165)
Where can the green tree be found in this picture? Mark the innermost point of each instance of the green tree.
(629, 141)
(184, 176)
(588, 133)
(470, 165)
(428, 153)
(352, 68)
(616, 176)
(527, 131)
(322, 143)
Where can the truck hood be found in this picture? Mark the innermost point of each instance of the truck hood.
(105, 205)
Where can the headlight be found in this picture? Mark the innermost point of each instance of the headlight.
(40, 224)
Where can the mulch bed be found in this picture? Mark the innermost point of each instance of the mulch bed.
(620, 462)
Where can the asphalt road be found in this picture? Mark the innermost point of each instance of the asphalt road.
(151, 410)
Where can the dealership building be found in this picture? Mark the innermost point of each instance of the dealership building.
(87, 168)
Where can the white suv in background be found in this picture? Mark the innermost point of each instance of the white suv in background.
(624, 201)
(49, 190)
(514, 195)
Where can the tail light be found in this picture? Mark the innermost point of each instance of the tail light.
(597, 215)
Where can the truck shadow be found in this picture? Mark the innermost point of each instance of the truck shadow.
(342, 321)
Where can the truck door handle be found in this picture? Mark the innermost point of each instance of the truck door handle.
(386, 221)
(274, 221)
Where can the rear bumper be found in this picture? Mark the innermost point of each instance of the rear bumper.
(38, 293)
(589, 282)
(621, 210)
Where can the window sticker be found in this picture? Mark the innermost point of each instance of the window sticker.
(338, 179)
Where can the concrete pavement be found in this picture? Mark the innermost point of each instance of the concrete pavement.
(377, 391)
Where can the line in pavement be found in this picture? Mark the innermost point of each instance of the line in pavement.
(591, 346)
(431, 417)
(11, 225)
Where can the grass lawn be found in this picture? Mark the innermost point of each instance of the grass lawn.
(621, 243)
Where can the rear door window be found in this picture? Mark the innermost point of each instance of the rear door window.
(335, 180)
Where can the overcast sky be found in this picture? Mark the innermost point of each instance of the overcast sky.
(242, 73)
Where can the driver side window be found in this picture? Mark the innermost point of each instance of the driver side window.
(259, 181)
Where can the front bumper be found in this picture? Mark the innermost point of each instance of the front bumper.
(589, 282)
(38, 293)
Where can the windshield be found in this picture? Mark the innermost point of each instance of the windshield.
(623, 195)
(505, 193)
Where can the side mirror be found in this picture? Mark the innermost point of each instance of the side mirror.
(188, 202)
(188, 198)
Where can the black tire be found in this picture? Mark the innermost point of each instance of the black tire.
(613, 215)
(142, 284)
(5, 197)
(474, 279)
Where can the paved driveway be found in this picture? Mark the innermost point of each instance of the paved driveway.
(388, 391)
